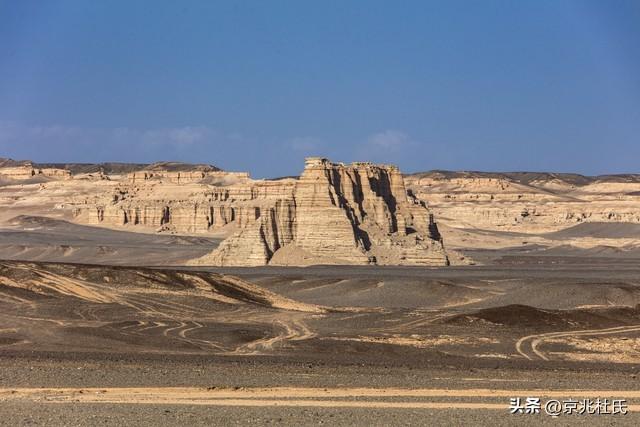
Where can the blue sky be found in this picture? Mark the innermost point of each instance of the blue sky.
(258, 85)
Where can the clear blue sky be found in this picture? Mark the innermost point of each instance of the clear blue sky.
(258, 85)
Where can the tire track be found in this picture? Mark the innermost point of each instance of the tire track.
(528, 346)
(332, 397)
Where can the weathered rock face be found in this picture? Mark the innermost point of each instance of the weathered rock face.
(27, 171)
(339, 214)
(184, 173)
(184, 176)
(522, 203)
(256, 243)
(184, 208)
(334, 213)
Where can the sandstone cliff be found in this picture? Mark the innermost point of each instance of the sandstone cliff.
(183, 173)
(189, 208)
(339, 214)
(21, 170)
(527, 202)
(332, 214)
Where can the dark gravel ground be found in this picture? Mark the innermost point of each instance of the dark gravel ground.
(171, 415)
(95, 370)
(314, 362)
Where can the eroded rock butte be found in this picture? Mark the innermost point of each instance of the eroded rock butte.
(333, 214)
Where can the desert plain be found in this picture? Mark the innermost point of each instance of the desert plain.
(353, 294)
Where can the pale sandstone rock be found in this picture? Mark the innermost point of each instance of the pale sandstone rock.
(184, 176)
(334, 213)
(27, 171)
(549, 203)
(339, 214)
(184, 208)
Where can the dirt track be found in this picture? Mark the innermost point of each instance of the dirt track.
(528, 346)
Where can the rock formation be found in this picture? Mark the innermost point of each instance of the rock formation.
(333, 214)
(338, 214)
(183, 173)
(21, 170)
(527, 202)
(190, 208)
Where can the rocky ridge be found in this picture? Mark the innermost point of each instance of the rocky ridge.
(527, 202)
(338, 214)
(21, 170)
(334, 214)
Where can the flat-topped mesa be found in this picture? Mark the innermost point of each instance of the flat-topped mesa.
(21, 170)
(185, 173)
(322, 162)
(357, 213)
(340, 214)
(334, 200)
(189, 208)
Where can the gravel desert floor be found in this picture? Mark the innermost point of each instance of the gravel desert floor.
(98, 344)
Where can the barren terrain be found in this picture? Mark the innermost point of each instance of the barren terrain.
(111, 324)
(313, 344)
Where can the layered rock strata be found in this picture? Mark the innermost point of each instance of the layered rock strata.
(528, 203)
(184, 209)
(184, 176)
(333, 214)
(339, 214)
(28, 170)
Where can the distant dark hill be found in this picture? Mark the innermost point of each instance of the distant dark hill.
(181, 167)
(107, 168)
(529, 177)
(112, 167)
(8, 163)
